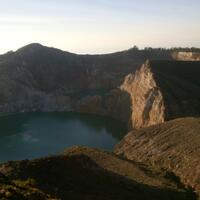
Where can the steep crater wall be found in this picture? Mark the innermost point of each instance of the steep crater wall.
(38, 78)
(163, 90)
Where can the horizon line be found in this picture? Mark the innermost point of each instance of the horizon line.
(112, 52)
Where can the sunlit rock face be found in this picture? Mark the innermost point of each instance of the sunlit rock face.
(186, 56)
(147, 101)
(163, 90)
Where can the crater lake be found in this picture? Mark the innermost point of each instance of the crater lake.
(33, 135)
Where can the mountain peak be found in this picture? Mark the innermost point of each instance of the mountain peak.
(34, 45)
(31, 46)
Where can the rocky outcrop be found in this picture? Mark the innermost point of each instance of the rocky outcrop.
(163, 90)
(173, 146)
(147, 100)
(116, 104)
(85, 173)
(186, 56)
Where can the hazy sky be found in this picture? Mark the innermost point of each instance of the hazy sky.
(99, 26)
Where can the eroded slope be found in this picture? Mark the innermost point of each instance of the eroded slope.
(85, 173)
(173, 145)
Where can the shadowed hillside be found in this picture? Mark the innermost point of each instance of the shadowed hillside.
(84, 173)
(38, 78)
(173, 146)
(50, 69)
(180, 86)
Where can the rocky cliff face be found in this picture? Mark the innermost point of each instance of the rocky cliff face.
(115, 103)
(173, 146)
(38, 78)
(186, 56)
(163, 90)
(147, 100)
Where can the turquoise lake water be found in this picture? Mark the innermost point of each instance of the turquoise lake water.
(32, 135)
